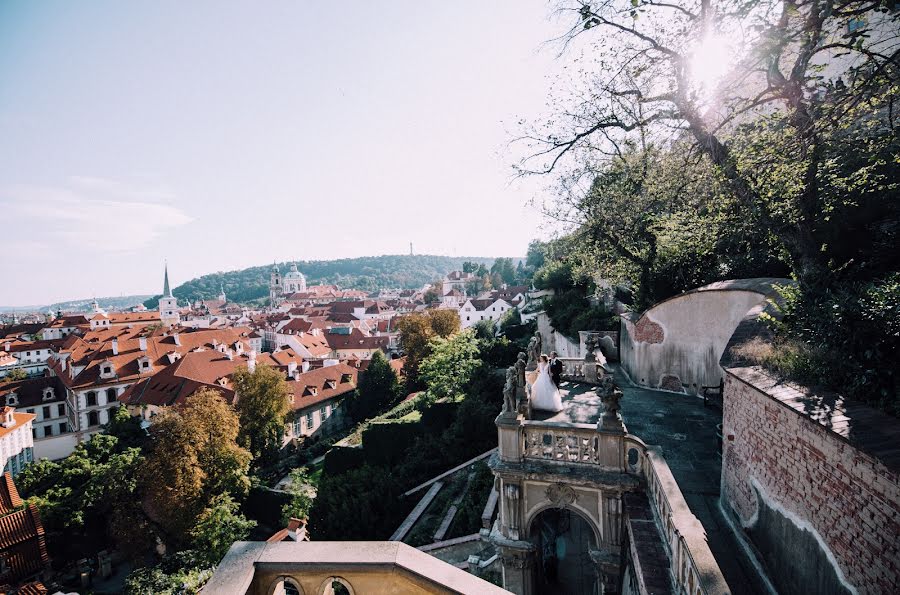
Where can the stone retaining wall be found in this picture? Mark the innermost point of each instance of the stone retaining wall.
(823, 515)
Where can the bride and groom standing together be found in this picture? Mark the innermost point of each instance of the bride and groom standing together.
(545, 390)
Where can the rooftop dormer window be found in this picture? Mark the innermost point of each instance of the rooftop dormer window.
(12, 399)
(48, 393)
(345, 378)
(330, 383)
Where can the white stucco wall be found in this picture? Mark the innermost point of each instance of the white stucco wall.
(694, 329)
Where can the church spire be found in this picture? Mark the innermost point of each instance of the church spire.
(166, 291)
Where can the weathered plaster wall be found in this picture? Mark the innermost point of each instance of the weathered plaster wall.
(678, 343)
(554, 341)
(824, 516)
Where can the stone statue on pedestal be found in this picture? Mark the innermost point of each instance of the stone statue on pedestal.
(521, 364)
(534, 352)
(509, 391)
(590, 346)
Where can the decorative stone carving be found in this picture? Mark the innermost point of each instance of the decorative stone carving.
(534, 352)
(521, 364)
(509, 391)
(609, 396)
(517, 559)
(560, 495)
(590, 346)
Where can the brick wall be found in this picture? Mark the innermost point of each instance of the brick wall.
(822, 482)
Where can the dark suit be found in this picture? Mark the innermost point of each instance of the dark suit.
(556, 368)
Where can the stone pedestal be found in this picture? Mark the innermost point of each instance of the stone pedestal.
(590, 372)
(508, 436)
(607, 569)
(517, 561)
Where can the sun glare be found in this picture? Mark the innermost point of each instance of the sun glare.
(710, 61)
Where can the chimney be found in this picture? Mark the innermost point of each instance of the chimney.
(251, 362)
(7, 346)
(229, 354)
(115, 346)
(177, 338)
(304, 366)
(143, 343)
(292, 367)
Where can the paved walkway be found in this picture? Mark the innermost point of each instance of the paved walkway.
(686, 432)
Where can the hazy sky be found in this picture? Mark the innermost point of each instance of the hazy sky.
(220, 135)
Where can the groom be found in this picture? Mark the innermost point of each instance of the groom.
(556, 368)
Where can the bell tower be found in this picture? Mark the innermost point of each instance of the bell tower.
(275, 286)
(168, 304)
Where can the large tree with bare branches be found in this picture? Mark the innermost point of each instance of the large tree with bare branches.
(793, 73)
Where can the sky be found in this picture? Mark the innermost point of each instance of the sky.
(221, 135)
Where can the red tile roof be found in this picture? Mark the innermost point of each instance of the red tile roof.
(22, 542)
(317, 386)
(9, 495)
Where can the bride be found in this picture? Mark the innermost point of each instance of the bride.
(544, 394)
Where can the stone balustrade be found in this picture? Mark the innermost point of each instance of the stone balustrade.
(562, 443)
(573, 367)
(694, 569)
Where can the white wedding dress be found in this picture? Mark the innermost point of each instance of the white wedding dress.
(544, 394)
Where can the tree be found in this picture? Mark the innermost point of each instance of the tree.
(649, 80)
(444, 322)
(469, 266)
(218, 526)
(378, 389)
(416, 332)
(193, 458)
(435, 292)
(263, 402)
(300, 503)
(126, 428)
(87, 498)
(14, 375)
(503, 270)
(449, 367)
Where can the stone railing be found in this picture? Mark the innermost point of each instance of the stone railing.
(573, 367)
(561, 443)
(694, 569)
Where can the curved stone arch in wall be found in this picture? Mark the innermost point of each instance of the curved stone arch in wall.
(680, 341)
(285, 585)
(536, 511)
(327, 588)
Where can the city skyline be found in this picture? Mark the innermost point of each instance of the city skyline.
(234, 136)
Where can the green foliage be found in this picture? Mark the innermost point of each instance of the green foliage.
(168, 579)
(263, 402)
(386, 442)
(468, 514)
(378, 389)
(360, 504)
(300, 503)
(571, 311)
(512, 317)
(341, 459)
(485, 329)
(416, 332)
(14, 375)
(449, 367)
(84, 498)
(368, 273)
(845, 339)
(217, 527)
(505, 269)
(126, 428)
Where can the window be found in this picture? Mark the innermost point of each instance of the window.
(107, 370)
(298, 426)
(322, 415)
(48, 431)
(91, 399)
(29, 411)
(63, 428)
(93, 418)
(60, 410)
(309, 421)
(110, 395)
(46, 412)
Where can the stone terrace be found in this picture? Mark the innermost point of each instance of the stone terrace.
(686, 432)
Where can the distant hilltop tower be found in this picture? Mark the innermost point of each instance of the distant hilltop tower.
(410, 249)
(275, 285)
(168, 304)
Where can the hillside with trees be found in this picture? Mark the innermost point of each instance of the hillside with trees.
(367, 273)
